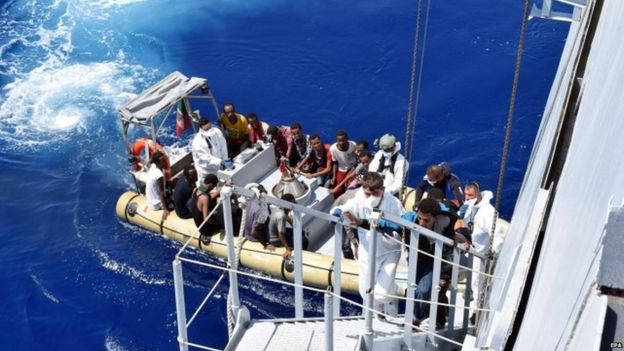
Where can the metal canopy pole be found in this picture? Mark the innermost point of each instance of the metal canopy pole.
(298, 259)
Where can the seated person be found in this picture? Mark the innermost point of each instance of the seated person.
(256, 129)
(299, 145)
(235, 128)
(318, 163)
(280, 229)
(352, 180)
(440, 176)
(280, 137)
(184, 192)
(343, 155)
(361, 147)
(202, 203)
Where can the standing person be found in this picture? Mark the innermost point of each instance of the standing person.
(440, 176)
(474, 230)
(318, 163)
(299, 145)
(209, 149)
(256, 130)
(344, 160)
(390, 164)
(184, 191)
(155, 185)
(235, 128)
(371, 196)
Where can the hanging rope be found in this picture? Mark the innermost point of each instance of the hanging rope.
(503, 163)
(409, 120)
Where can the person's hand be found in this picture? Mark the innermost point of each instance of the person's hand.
(309, 175)
(287, 253)
(351, 217)
(165, 214)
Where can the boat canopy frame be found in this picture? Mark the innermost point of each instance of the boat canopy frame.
(152, 108)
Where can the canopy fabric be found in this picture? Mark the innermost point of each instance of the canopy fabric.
(159, 97)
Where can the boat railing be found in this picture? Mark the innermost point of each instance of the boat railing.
(333, 295)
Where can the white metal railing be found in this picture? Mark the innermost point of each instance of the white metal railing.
(333, 295)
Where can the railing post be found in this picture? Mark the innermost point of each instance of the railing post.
(298, 259)
(467, 296)
(454, 278)
(370, 287)
(435, 290)
(329, 321)
(226, 194)
(337, 266)
(178, 284)
(411, 287)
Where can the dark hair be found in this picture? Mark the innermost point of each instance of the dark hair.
(363, 143)
(429, 206)
(295, 126)
(188, 171)
(289, 197)
(211, 179)
(436, 194)
(157, 157)
(252, 115)
(272, 131)
(366, 154)
(203, 121)
(314, 137)
(342, 133)
(229, 104)
(372, 180)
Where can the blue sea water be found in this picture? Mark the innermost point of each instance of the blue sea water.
(73, 277)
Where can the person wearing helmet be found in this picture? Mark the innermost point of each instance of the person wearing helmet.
(390, 164)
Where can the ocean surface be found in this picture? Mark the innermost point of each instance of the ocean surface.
(72, 277)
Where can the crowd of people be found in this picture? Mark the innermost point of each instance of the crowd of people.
(361, 181)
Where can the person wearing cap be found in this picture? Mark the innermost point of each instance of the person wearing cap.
(209, 149)
(390, 164)
(235, 128)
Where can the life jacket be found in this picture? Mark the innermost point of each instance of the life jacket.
(382, 163)
(137, 149)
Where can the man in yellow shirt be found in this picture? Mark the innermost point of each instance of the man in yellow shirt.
(235, 128)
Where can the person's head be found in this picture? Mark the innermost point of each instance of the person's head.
(361, 147)
(342, 140)
(190, 174)
(252, 119)
(315, 143)
(387, 144)
(228, 109)
(272, 132)
(372, 184)
(211, 181)
(436, 194)
(472, 191)
(296, 131)
(290, 198)
(435, 174)
(365, 158)
(158, 158)
(428, 210)
(204, 124)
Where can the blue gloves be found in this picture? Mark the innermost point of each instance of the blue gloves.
(462, 210)
(337, 212)
(227, 164)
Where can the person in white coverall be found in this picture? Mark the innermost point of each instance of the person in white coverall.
(390, 164)
(477, 214)
(358, 209)
(209, 149)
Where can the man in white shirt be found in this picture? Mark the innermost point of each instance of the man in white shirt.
(371, 196)
(390, 164)
(155, 185)
(343, 156)
(209, 149)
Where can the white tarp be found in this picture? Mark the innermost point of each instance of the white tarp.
(159, 97)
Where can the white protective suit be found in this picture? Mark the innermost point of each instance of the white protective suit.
(482, 216)
(209, 148)
(395, 178)
(388, 251)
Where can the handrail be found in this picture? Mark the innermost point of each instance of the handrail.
(201, 305)
(236, 271)
(339, 220)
